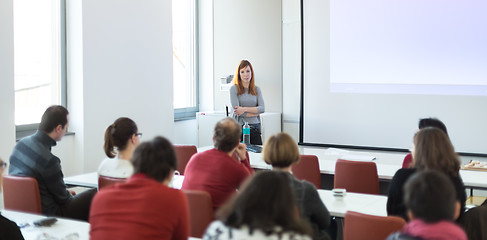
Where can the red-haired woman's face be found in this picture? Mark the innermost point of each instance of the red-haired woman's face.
(245, 74)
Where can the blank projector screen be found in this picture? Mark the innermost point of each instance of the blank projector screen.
(372, 69)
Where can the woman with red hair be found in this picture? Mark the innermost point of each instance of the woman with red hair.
(247, 100)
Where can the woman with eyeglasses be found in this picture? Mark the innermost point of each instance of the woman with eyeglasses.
(121, 139)
(8, 229)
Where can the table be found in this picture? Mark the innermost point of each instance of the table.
(387, 163)
(358, 202)
(62, 228)
(91, 180)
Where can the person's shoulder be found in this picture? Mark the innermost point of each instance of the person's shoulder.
(404, 172)
(233, 88)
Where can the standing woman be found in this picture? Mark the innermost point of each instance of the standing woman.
(121, 138)
(247, 100)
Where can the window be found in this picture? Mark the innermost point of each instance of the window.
(184, 59)
(39, 59)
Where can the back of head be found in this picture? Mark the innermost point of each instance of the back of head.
(474, 223)
(226, 135)
(263, 203)
(433, 150)
(432, 122)
(155, 158)
(280, 150)
(118, 134)
(53, 116)
(430, 196)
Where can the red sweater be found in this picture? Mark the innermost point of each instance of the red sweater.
(217, 173)
(141, 208)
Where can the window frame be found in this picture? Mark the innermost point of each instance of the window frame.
(187, 113)
(24, 130)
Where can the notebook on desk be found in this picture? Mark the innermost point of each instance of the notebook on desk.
(254, 148)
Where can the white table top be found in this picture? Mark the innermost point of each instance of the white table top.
(91, 180)
(387, 163)
(363, 203)
(62, 228)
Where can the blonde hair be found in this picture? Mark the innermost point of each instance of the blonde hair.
(280, 150)
(434, 151)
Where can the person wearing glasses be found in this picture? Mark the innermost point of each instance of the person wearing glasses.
(8, 229)
(32, 157)
(247, 100)
(144, 207)
(121, 139)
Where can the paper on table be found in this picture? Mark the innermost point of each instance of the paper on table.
(364, 158)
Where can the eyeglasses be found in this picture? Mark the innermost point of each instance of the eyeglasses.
(138, 134)
(3, 164)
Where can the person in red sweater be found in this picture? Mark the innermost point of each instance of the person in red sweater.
(144, 207)
(221, 170)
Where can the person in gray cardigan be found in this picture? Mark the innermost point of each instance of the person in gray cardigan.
(247, 100)
(281, 152)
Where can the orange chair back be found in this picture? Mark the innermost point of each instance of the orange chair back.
(183, 154)
(369, 227)
(308, 168)
(200, 212)
(355, 176)
(21, 194)
(104, 181)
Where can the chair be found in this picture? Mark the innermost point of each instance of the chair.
(355, 176)
(200, 211)
(370, 227)
(21, 194)
(104, 181)
(308, 169)
(183, 154)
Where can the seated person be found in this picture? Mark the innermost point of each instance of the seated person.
(221, 170)
(121, 138)
(32, 157)
(424, 123)
(430, 200)
(474, 222)
(432, 151)
(264, 209)
(144, 207)
(282, 153)
(8, 229)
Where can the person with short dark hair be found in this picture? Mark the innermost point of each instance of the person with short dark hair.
(221, 170)
(432, 151)
(144, 207)
(424, 123)
(431, 203)
(282, 153)
(32, 157)
(121, 139)
(263, 209)
(8, 229)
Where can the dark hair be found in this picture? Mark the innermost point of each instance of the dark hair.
(155, 158)
(430, 196)
(265, 201)
(53, 116)
(226, 135)
(433, 150)
(474, 222)
(432, 122)
(280, 150)
(118, 134)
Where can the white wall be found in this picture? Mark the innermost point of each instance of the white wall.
(248, 29)
(122, 51)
